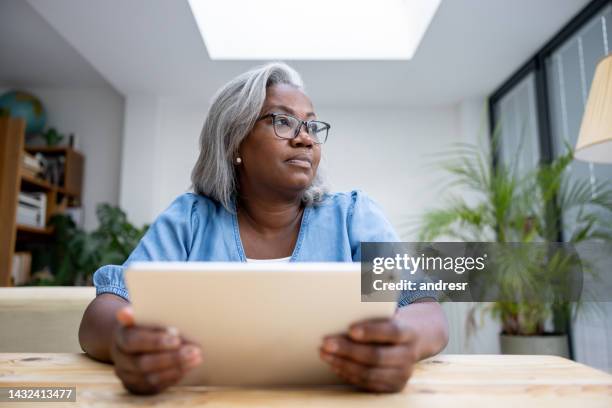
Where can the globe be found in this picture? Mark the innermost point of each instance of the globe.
(23, 105)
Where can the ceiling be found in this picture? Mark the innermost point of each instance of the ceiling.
(154, 47)
(32, 53)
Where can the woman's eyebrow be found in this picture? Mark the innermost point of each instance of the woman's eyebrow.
(288, 110)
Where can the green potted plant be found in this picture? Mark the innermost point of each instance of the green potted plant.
(76, 254)
(53, 137)
(527, 208)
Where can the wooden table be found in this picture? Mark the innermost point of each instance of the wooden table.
(447, 381)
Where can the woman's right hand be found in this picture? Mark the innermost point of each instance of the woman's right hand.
(148, 359)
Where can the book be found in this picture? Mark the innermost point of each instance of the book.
(31, 209)
(32, 163)
(22, 265)
(34, 174)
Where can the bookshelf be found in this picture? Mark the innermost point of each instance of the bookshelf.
(13, 180)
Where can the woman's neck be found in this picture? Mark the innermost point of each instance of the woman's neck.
(269, 215)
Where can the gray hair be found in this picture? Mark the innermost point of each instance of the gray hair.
(233, 112)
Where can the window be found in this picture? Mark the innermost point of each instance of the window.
(538, 111)
(570, 71)
(557, 81)
(517, 119)
(317, 29)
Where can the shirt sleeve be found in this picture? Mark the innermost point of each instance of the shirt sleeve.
(367, 223)
(169, 238)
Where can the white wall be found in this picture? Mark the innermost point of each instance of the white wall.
(141, 158)
(389, 153)
(483, 336)
(160, 146)
(95, 116)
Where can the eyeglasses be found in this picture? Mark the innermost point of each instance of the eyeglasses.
(288, 127)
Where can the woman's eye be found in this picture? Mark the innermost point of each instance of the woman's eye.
(315, 128)
(282, 122)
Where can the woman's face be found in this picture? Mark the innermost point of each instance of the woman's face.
(282, 165)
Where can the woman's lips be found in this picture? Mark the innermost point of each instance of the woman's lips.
(300, 160)
(300, 163)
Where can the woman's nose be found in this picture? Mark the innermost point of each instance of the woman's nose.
(303, 138)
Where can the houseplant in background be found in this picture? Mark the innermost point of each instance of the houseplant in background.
(52, 137)
(527, 208)
(76, 254)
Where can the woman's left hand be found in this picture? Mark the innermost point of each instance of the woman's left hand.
(375, 355)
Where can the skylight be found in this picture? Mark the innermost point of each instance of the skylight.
(313, 29)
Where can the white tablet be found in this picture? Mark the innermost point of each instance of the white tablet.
(258, 324)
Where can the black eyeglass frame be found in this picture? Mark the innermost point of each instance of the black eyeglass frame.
(301, 122)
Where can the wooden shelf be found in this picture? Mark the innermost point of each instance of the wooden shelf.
(34, 230)
(13, 180)
(45, 185)
(67, 192)
(38, 182)
(50, 150)
(72, 180)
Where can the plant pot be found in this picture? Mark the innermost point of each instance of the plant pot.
(550, 344)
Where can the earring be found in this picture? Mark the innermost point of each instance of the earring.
(238, 160)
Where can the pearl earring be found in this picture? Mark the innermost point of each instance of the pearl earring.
(238, 160)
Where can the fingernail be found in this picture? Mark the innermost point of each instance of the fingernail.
(194, 361)
(331, 346)
(188, 352)
(171, 341)
(357, 332)
(172, 331)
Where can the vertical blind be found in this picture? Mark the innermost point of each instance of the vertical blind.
(518, 135)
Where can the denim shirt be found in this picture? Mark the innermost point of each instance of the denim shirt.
(197, 228)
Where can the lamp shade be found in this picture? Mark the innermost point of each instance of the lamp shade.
(595, 139)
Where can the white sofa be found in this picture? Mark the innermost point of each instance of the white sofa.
(42, 319)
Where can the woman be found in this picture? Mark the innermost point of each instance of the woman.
(258, 196)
